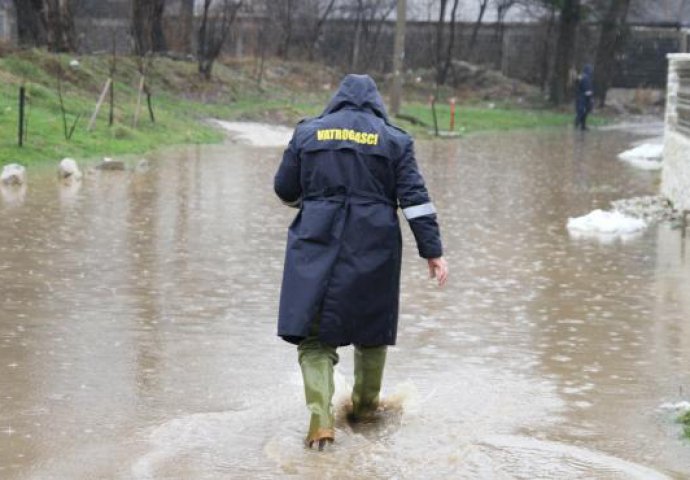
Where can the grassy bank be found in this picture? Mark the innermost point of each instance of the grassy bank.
(286, 93)
(685, 421)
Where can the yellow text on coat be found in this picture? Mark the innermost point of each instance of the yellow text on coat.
(362, 138)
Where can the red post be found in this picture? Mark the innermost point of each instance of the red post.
(452, 114)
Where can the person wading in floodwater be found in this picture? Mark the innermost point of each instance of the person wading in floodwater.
(347, 171)
(584, 100)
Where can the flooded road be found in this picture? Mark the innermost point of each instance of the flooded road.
(137, 325)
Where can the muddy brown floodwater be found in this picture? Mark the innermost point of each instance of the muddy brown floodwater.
(137, 325)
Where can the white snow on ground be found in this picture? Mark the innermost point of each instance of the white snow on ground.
(683, 406)
(258, 134)
(640, 125)
(13, 174)
(605, 225)
(646, 156)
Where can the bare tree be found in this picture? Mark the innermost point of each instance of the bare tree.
(147, 26)
(502, 8)
(546, 49)
(611, 41)
(286, 14)
(321, 17)
(46, 23)
(30, 30)
(483, 4)
(369, 17)
(570, 12)
(440, 27)
(443, 72)
(216, 21)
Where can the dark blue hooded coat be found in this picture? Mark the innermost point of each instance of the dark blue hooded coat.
(583, 95)
(348, 170)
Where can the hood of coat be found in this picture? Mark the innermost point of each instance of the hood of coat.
(358, 91)
(587, 70)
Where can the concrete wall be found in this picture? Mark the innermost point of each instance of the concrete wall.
(676, 174)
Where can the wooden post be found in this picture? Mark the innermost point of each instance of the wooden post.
(101, 99)
(138, 109)
(433, 114)
(452, 114)
(22, 101)
(398, 57)
(113, 62)
(150, 104)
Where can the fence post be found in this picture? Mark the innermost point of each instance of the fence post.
(452, 114)
(22, 100)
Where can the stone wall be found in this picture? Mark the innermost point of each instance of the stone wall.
(676, 174)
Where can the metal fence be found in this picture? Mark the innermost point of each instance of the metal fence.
(683, 101)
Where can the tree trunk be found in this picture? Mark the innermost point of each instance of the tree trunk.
(439, 39)
(46, 23)
(611, 41)
(58, 23)
(398, 56)
(475, 29)
(30, 31)
(158, 42)
(546, 50)
(354, 61)
(287, 29)
(187, 14)
(213, 34)
(565, 51)
(317, 29)
(451, 43)
(147, 26)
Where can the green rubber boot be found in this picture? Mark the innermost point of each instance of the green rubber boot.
(369, 363)
(317, 361)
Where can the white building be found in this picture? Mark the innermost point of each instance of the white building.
(676, 174)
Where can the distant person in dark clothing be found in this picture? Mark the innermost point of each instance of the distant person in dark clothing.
(584, 99)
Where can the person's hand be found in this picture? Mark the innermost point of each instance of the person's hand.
(438, 269)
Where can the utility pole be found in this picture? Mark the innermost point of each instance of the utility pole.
(398, 57)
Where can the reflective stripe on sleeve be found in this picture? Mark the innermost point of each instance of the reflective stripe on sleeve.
(419, 210)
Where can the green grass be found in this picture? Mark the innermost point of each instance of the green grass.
(685, 421)
(473, 118)
(181, 103)
(289, 91)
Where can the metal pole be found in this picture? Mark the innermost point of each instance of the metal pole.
(398, 57)
(22, 100)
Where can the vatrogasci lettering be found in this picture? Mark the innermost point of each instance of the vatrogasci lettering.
(363, 138)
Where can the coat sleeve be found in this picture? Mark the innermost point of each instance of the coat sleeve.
(416, 205)
(287, 180)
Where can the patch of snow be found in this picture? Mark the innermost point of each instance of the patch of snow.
(600, 222)
(68, 168)
(683, 406)
(646, 156)
(13, 174)
(638, 125)
(258, 134)
(658, 140)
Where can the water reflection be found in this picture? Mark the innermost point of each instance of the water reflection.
(137, 325)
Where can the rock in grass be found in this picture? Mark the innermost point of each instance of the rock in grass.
(13, 174)
(110, 164)
(68, 168)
